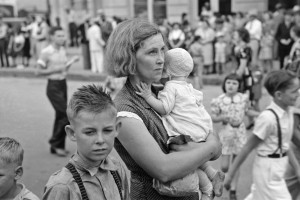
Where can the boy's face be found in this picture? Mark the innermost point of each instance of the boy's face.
(289, 96)
(59, 37)
(94, 134)
(8, 176)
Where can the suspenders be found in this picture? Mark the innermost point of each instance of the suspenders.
(79, 182)
(279, 134)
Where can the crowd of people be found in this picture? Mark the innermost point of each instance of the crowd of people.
(157, 122)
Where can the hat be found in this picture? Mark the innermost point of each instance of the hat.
(178, 62)
(253, 12)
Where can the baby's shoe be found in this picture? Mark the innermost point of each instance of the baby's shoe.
(217, 182)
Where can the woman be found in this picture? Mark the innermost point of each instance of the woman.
(176, 36)
(138, 54)
(207, 35)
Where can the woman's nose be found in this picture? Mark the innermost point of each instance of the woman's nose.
(161, 58)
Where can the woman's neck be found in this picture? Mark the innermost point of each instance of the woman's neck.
(135, 80)
(231, 94)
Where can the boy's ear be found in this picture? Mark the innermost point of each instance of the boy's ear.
(277, 95)
(70, 132)
(118, 126)
(18, 172)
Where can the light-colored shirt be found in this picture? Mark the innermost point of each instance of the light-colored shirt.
(3, 30)
(53, 58)
(185, 111)
(98, 181)
(255, 29)
(25, 194)
(266, 129)
(95, 38)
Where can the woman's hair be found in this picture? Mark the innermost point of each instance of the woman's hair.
(123, 43)
(232, 76)
(296, 30)
(279, 80)
(244, 34)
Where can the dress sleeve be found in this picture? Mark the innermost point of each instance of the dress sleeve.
(168, 97)
(244, 53)
(129, 115)
(215, 106)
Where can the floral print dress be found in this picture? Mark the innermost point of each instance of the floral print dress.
(233, 134)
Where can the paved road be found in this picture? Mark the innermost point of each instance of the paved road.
(26, 114)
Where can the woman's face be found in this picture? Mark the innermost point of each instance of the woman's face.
(150, 59)
(231, 86)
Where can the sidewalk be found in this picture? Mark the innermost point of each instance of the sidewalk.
(78, 73)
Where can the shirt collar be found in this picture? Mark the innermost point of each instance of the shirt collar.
(278, 110)
(106, 165)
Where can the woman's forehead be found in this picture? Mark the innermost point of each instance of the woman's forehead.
(153, 41)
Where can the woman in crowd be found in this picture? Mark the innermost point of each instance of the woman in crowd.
(138, 54)
(207, 35)
(176, 36)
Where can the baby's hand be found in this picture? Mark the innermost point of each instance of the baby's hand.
(144, 90)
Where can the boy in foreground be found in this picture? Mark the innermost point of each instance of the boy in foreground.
(91, 172)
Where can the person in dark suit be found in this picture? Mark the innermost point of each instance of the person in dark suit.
(283, 37)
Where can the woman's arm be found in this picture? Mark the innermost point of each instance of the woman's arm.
(143, 148)
(243, 64)
(252, 143)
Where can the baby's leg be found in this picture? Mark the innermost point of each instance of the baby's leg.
(205, 185)
(217, 178)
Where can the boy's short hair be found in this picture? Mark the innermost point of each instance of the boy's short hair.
(278, 80)
(90, 98)
(11, 151)
(54, 29)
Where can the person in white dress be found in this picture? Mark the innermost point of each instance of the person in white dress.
(96, 47)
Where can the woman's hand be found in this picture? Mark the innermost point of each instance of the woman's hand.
(212, 138)
(144, 90)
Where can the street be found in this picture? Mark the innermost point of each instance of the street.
(26, 115)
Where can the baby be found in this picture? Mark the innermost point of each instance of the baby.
(185, 119)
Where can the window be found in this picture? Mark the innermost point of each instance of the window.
(159, 9)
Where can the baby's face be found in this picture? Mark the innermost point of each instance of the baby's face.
(7, 178)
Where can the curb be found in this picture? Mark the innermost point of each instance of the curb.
(89, 76)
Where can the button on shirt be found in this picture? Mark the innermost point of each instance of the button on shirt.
(52, 58)
(266, 129)
(98, 181)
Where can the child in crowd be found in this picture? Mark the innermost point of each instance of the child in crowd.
(91, 172)
(266, 50)
(11, 170)
(15, 46)
(230, 109)
(271, 138)
(220, 53)
(196, 52)
(184, 117)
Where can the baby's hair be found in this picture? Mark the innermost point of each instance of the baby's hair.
(90, 98)
(278, 80)
(232, 76)
(11, 151)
